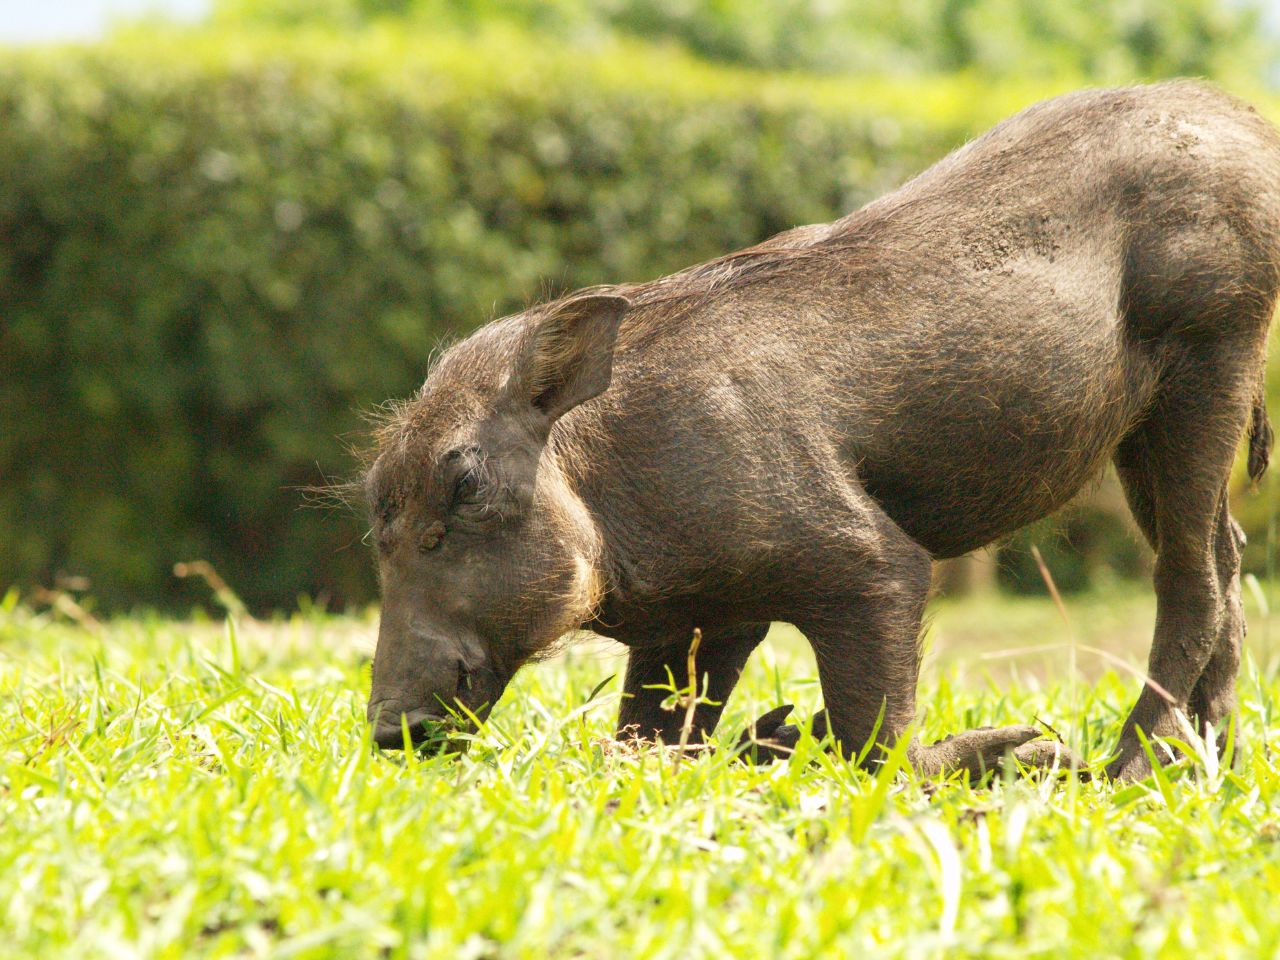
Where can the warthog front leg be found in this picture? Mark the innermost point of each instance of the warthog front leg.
(864, 624)
(650, 673)
(976, 751)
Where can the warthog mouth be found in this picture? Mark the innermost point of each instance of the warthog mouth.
(427, 729)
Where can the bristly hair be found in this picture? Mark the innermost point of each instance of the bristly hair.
(824, 249)
(348, 494)
(817, 247)
(382, 421)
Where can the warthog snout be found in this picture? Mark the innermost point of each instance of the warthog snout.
(438, 684)
(388, 719)
(419, 679)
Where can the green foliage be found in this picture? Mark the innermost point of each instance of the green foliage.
(186, 790)
(1005, 38)
(213, 253)
(217, 248)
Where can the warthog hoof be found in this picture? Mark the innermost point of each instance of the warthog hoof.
(772, 738)
(978, 751)
(984, 749)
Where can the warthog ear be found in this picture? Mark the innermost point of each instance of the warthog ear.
(568, 358)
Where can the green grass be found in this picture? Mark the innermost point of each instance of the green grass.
(175, 789)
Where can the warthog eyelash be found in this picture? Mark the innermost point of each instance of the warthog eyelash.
(476, 484)
(490, 508)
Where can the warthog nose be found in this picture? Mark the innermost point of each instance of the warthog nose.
(388, 732)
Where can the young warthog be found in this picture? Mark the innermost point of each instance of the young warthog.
(794, 431)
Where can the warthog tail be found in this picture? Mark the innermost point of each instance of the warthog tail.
(1260, 437)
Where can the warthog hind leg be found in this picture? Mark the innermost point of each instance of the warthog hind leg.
(1175, 469)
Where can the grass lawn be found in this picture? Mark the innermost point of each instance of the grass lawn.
(174, 789)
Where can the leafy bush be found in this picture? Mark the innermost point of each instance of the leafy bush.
(1005, 38)
(214, 252)
(215, 249)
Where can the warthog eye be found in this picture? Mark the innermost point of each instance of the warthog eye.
(466, 487)
(473, 484)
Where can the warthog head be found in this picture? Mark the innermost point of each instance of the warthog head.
(486, 553)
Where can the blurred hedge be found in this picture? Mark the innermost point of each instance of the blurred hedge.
(216, 249)
(1010, 39)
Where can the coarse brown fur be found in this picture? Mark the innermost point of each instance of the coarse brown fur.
(794, 431)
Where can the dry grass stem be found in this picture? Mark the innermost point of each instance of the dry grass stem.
(690, 697)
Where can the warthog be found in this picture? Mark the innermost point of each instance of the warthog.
(794, 431)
